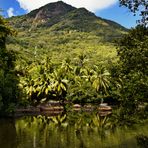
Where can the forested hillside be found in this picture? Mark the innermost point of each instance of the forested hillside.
(68, 54)
(58, 31)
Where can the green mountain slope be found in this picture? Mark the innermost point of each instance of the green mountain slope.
(47, 15)
(59, 30)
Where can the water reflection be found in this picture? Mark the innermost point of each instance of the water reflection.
(7, 133)
(74, 130)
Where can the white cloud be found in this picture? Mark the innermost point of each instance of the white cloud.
(92, 5)
(10, 12)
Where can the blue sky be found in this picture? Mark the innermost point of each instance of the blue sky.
(120, 15)
(108, 9)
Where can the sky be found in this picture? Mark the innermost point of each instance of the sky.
(108, 9)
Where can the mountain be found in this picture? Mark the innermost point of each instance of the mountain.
(61, 16)
(47, 15)
(60, 30)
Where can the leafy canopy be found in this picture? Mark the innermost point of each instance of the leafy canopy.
(137, 5)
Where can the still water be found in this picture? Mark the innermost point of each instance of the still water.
(68, 131)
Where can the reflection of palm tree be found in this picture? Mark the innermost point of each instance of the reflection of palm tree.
(32, 127)
(59, 120)
(101, 124)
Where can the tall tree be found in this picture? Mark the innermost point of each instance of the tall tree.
(8, 79)
(101, 81)
(137, 6)
(133, 50)
(133, 67)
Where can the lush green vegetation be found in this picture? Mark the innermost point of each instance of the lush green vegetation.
(132, 70)
(66, 34)
(8, 79)
(69, 61)
(70, 80)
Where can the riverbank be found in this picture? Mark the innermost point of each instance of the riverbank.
(54, 109)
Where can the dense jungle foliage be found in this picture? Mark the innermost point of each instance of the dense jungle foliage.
(69, 61)
(8, 78)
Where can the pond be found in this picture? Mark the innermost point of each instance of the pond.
(74, 130)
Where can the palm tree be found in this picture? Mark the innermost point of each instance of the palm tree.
(66, 66)
(81, 60)
(87, 73)
(80, 65)
(101, 81)
(37, 82)
(59, 84)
